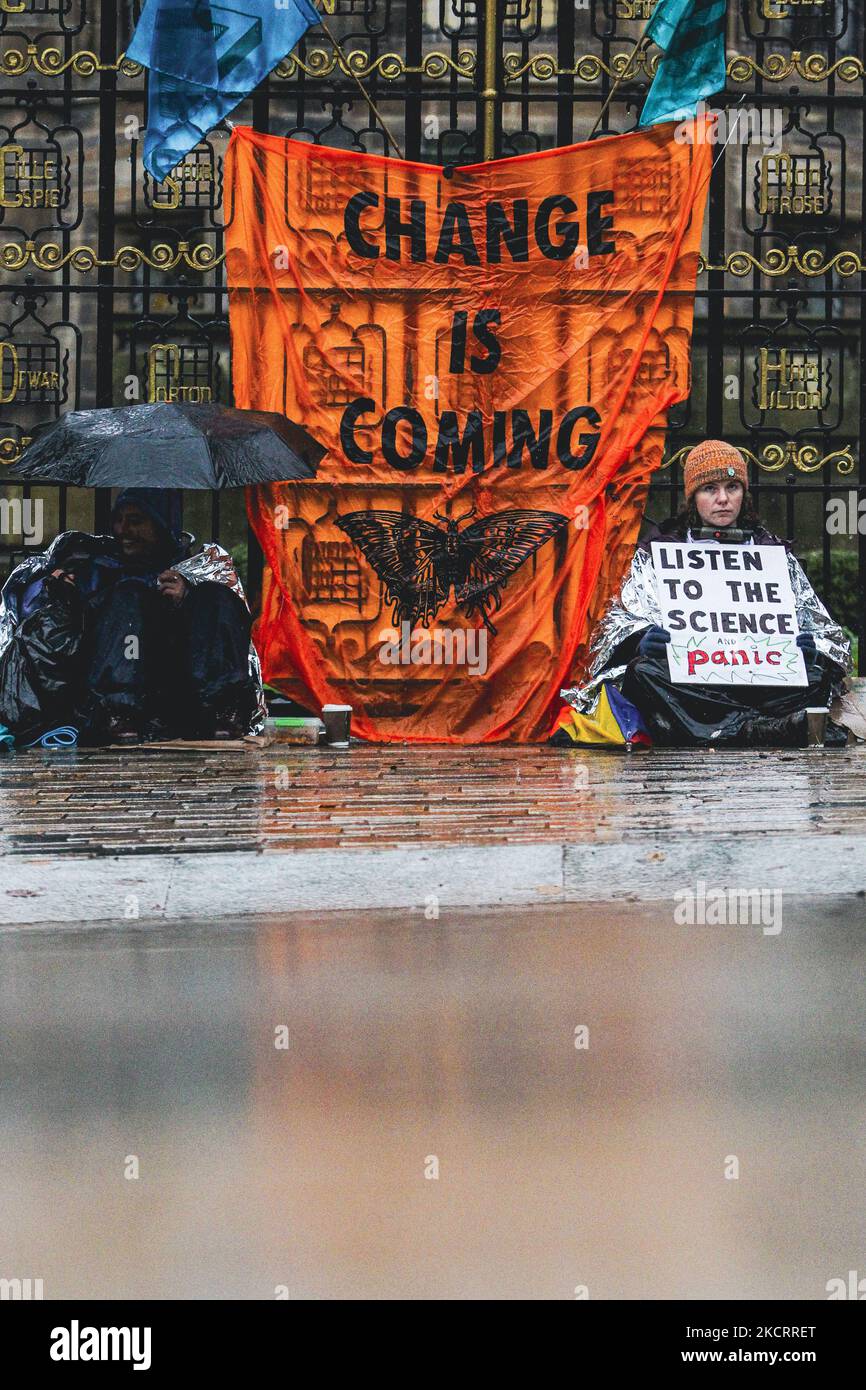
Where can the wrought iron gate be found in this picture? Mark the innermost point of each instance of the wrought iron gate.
(112, 289)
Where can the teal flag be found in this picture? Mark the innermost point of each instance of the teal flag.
(204, 58)
(691, 34)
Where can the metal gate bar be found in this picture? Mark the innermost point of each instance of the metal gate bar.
(473, 78)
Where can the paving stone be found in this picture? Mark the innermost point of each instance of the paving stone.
(96, 802)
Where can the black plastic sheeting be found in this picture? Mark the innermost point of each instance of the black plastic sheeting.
(42, 664)
(741, 716)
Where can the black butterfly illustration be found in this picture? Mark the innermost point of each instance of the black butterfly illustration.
(420, 563)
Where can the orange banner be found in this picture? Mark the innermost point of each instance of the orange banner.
(488, 358)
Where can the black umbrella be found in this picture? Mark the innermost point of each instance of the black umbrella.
(170, 446)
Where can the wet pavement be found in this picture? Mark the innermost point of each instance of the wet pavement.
(415, 1043)
(171, 834)
(97, 802)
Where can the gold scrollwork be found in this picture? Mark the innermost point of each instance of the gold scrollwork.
(782, 260)
(805, 458)
(11, 449)
(542, 67)
(50, 257)
(777, 67)
(321, 62)
(50, 62)
(843, 263)
(811, 67)
(588, 67)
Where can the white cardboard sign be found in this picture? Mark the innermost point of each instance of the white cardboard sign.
(730, 612)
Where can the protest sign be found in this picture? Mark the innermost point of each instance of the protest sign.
(730, 612)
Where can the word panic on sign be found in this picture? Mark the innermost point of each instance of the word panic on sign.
(730, 612)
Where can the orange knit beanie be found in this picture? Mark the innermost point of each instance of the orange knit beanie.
(713, 461)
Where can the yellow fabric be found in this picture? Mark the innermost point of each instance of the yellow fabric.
(600, 728)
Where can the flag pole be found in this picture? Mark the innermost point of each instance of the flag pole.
(641, 41)
(363, 90)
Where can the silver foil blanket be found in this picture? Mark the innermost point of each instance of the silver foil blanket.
(212, 563)
(637, 607)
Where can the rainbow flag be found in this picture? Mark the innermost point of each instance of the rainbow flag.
(616, 723)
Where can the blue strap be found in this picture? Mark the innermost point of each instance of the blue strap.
(62, 737)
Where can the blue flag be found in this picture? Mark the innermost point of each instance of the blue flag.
(204, 58)
(691, 34)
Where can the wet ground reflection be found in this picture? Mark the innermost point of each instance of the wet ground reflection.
(558, 1166)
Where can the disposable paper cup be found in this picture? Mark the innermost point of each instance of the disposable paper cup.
(816, 722)
(337, 720)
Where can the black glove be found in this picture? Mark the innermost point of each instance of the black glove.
(806, 642)
(654, 642)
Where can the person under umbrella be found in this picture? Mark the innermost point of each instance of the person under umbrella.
(130, 636)
(146, 640)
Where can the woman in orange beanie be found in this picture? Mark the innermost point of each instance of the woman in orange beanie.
(630, 645)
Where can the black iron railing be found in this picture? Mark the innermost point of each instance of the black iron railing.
(112, 288)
